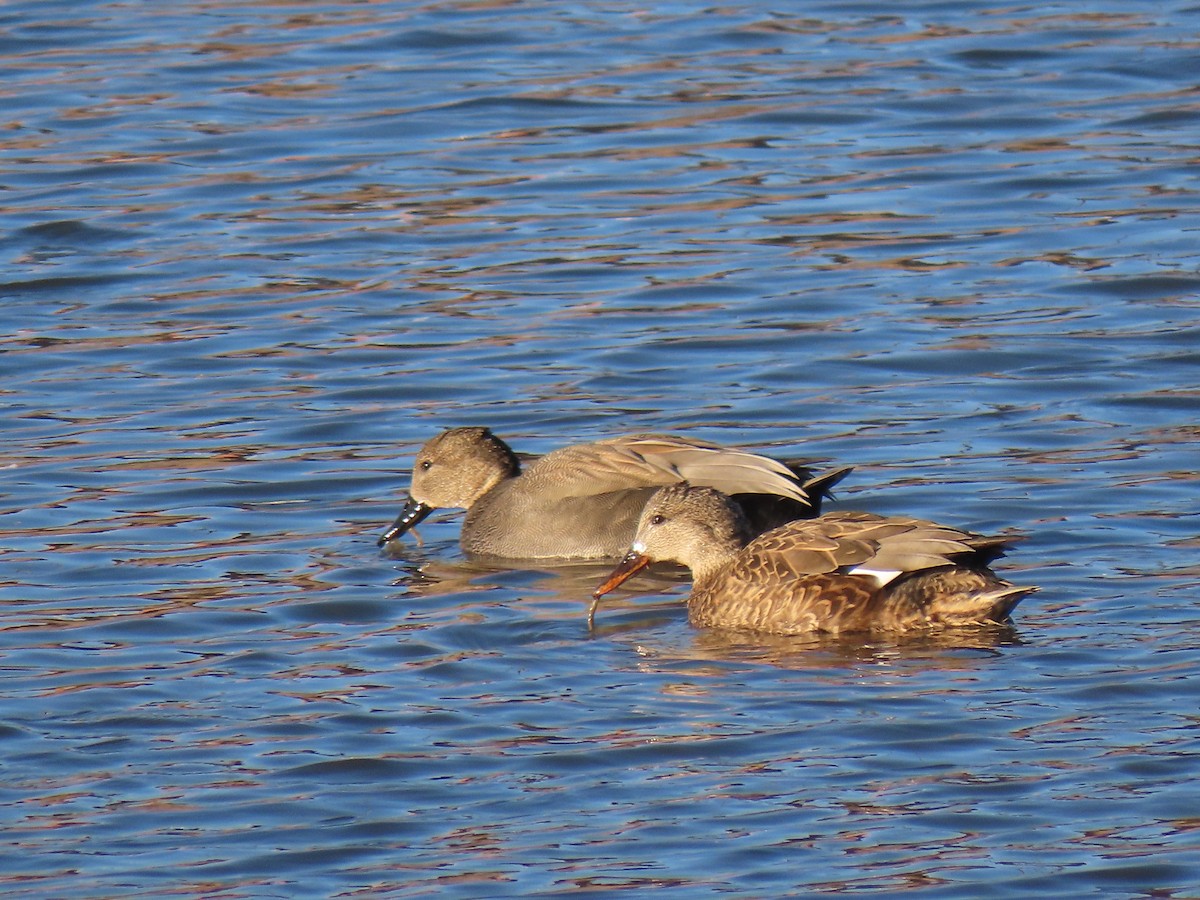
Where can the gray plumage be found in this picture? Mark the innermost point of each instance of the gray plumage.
(583, 501)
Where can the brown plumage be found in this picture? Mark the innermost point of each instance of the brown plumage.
(843, 571)
(583, 501)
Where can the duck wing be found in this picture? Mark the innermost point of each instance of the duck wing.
(633, 462)
(858, 543)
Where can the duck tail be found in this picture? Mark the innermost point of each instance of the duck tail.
(973, 607)
(820, 487)
(1002, 601)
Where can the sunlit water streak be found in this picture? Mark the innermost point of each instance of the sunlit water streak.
(252, 257)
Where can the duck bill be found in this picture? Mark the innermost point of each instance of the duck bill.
(633, 563)
(410, 517)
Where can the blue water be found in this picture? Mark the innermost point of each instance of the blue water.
(251, 257)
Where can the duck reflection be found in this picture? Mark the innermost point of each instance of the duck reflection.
(571, 583)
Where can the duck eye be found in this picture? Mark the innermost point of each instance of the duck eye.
(657, 519)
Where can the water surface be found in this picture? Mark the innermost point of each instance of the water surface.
(252, 257)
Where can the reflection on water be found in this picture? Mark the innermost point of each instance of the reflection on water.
(253, 256)
(960, 648)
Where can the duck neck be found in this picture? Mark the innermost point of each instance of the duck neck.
(716, 559)
(504, 468)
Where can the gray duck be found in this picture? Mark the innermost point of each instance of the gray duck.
(583, 501)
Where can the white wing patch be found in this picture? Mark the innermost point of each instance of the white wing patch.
(881, 576)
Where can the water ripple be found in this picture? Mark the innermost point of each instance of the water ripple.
(254, 256)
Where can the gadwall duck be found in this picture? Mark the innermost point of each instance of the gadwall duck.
(844, 571)
(583, 501)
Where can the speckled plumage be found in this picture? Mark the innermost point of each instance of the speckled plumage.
(583, 501)
(843, 571)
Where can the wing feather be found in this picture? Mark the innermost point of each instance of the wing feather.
(840, 541)
(637, 461)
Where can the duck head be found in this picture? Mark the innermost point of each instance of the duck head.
(698, 527)
(452, 471)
